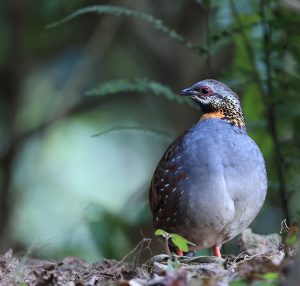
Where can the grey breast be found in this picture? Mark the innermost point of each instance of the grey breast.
(221, 187)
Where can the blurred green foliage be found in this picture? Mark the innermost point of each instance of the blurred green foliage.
(65, 192)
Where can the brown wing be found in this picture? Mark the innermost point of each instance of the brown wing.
(165, 193)
(160, 179)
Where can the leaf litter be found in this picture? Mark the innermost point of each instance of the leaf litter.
(263, 259)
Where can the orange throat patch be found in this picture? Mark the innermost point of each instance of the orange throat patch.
(234, 119)
(216, 114)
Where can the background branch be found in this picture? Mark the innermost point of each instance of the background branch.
(266, 90)
(271, 114)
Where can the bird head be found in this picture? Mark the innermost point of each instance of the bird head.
(216, 100)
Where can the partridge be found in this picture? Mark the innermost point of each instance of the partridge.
(211, 182)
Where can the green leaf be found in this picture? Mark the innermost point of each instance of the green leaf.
(261, 283)
(292, 239)
(121, 11)
(170, 265)
(238, 283)
(141, 85)
(173, 264)
(270, 276)
(176, 263)
(180, 242)
(161, 232)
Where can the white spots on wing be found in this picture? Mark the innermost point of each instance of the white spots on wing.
(168, 218)
(156, 218)
(159, 210)
(173, 160)
(167, 185)
(180, 194)
(178, 169)
(167, 196)
(178, 157)
(161, 179)
(174, 217)
(174, 189)
(167, 171)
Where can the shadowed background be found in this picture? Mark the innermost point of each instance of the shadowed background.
(116, 73)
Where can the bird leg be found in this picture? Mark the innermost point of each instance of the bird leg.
(179, 252)
(216, 251)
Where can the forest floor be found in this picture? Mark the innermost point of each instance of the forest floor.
(263, 261)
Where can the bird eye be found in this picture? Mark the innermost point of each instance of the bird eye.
(205, 90)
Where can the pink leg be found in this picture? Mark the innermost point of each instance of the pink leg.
(216, 251)
(179, 252)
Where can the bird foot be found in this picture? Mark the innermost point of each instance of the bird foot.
(216, 251)
(179, 252)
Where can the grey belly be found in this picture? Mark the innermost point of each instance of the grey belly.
(220, 201)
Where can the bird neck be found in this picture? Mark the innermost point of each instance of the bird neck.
(235, 117)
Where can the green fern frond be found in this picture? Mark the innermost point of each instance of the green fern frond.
(142, 85)
(224, 34)
(165, 136)
(121, 11)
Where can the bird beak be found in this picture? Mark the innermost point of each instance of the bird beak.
(188, 92)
